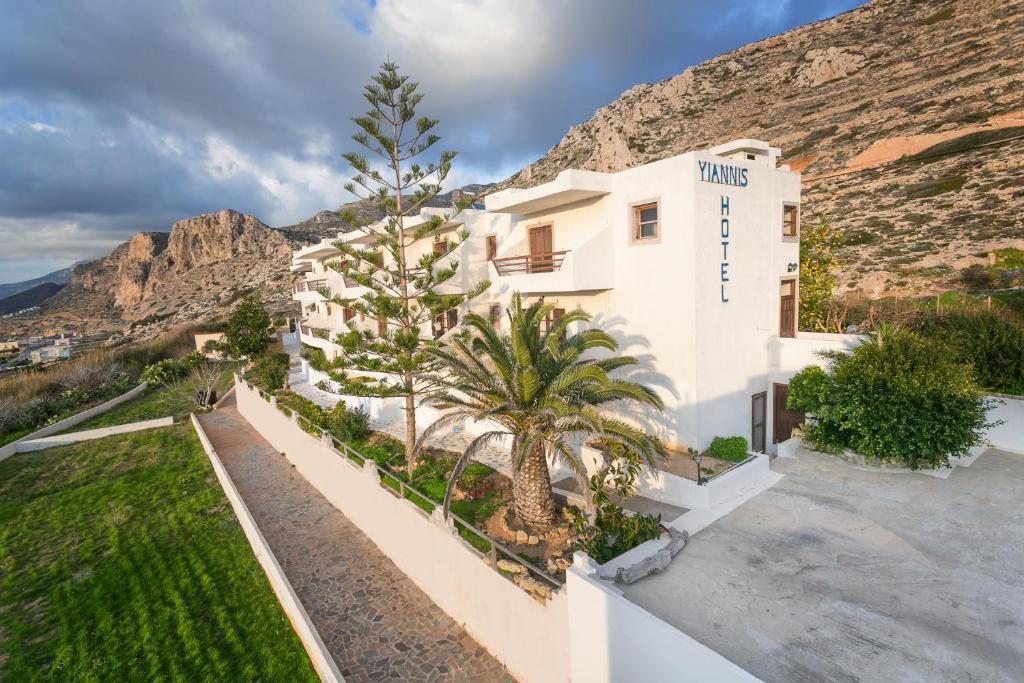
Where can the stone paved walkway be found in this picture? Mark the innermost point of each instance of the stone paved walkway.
(377, 624)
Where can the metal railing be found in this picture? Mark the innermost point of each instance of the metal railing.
(309, 286)
(749, 458)
(488, 547)
(529, 263)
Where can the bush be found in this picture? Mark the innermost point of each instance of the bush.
(896, 397)
(348, 425)
(613, 532)
(162, 372)
(728, 449)
(269, 371)
(990, 340)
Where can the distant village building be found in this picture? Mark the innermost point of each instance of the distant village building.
(60, 349)
(204, 338)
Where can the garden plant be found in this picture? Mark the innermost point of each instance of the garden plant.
(897, 396)
(543, 393)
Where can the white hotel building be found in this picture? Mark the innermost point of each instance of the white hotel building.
(691, 262)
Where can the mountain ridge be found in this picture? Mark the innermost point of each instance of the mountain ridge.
(846, 99)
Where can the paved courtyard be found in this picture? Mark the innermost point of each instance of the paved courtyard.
(842, 574)
(377, 624)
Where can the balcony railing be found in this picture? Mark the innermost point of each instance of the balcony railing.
(309, 285)
(546, 262)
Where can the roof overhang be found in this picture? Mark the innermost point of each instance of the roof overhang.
(315, 252)
(568, 187)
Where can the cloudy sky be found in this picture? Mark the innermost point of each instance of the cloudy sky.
(125, 115)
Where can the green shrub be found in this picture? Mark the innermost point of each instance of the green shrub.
(808, 389)
(896, 397)
(728, 449)
(990, 340)
(347, 424)
(269, 371)
(162, 372)
(613, 532)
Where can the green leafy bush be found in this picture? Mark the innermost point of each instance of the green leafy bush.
(896, 397)
(350, 426)
(269, 371)
(613, 532)
(162, 372)
(990, 340)
(728, 449)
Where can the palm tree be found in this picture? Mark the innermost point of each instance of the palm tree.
(540, 390)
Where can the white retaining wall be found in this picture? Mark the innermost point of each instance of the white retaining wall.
(1008, 436)
(10, 449)
(39, 444)
(321, 658)
(529, 638)
(680, 491)
(613, 639)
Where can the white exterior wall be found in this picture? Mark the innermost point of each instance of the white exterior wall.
(661, 299)
(612, 639)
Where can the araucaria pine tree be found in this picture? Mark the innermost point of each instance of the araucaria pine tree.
(403, 298)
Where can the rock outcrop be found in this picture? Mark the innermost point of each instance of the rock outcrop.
(834, 93)
(195, 272)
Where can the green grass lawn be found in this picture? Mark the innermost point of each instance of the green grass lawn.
(121, 559)
(154, 402)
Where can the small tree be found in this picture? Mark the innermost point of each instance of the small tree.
(403, 297)
(897, 396)
(542, 392)
(248, 330)
(818, 260)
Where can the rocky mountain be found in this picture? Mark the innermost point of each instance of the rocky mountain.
(906, 118)
(156, 280)
(329, 223)
(29, 298)
(59, 277)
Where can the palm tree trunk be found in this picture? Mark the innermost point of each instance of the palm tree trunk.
(531, 491)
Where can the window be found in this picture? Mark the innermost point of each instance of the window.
(492, 247)
(382, 325)
(787, 308)
(448, 320)
(348, 314)
(645, 222)
(750, 157)
(441, 247)
(789, 221)
(494, 315)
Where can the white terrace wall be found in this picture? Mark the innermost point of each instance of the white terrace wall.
(529, 638)
(69, 422)
(1008, 436)
(613, 639)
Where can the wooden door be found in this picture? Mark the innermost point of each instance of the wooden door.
(787, 308)
(784, 420)
(541, 246)
(758, 421)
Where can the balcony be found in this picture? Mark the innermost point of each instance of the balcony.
(529, 263)
(308, 291)
(588, 266)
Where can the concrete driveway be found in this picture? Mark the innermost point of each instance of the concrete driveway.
(843, 574)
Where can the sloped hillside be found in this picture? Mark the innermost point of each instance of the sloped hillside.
(156, 280)
(906, 117)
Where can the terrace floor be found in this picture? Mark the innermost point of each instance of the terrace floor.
(838, 573)
(374, 620)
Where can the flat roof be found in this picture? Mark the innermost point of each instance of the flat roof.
(569, 186)
(838, 573)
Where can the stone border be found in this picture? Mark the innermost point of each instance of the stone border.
(321, 658)
(90, 434)
(10, 449)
